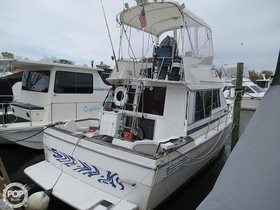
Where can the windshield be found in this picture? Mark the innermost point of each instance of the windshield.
(257, 89)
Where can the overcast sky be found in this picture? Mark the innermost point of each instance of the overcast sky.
(243, 30)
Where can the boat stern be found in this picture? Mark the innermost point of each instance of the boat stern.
(72, 191)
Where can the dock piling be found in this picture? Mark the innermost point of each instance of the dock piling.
(237, 105)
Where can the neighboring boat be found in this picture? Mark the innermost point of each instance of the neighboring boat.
(264, 82)
(9, 91)
(250, 177)
(10, 88)
(164, 120)
(252, 94)
(51, 92)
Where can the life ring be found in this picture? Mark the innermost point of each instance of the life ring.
(120, 96)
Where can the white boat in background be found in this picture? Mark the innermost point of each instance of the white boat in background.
(51, 92)
(264, 82)
(252, 94)
(164, 120)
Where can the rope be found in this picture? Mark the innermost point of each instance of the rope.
(79, 139)
(19, 140)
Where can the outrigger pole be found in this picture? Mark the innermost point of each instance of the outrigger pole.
(114, 54)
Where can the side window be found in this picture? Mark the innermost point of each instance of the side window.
(205, 102)
(207, 96)
(37, 81)
(199, 106)
(216, 99)
(151, 101)
(247, 90)
(73, 82)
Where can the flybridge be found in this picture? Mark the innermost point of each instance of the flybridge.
(174, 42)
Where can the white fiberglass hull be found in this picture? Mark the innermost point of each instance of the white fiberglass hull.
(24, 134)
(115, 173)
(250, 103)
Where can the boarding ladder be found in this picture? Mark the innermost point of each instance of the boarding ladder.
(136, 95)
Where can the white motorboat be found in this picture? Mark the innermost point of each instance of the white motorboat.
(164, 120)
(252, 94)
(51, 92)
(264, 82)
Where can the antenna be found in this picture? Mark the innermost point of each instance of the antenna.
(43, 48)
(114, 54)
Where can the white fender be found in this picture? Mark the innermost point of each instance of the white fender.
(38, 201)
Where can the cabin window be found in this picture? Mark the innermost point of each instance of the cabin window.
(37, 81)
(257, 88)
(247, 90)
(216, 99)
(205, 102)
(152, 100)
(73, 82)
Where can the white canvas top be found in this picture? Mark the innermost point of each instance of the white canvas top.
(161, 17)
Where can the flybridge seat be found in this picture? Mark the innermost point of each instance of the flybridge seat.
(26, 106)
(163, 59)
(166, 61)
(28, 111)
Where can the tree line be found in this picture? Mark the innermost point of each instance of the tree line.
(253, 75)
(9, 55)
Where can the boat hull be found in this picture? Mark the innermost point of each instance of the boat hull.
(22, 134)
(250, 103)
(126, 176)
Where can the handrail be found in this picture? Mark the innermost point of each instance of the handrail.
(220, 117)
(4, 96)
(4, 107)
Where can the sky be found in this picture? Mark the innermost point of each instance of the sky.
(245, 31)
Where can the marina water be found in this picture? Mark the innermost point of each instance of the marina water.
(17, 158)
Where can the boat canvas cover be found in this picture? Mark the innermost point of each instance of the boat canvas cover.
(161, 17)
(250, 177)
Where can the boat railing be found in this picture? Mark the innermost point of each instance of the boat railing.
(4, 107)
(162, 68)
(226, 112)
(4, 99)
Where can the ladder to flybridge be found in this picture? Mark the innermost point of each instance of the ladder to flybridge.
(136, 95)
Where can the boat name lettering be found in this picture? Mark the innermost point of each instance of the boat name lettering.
(177, 164)
(93, 108)
(102, 176)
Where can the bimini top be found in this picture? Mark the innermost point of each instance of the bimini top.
(160, 17)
